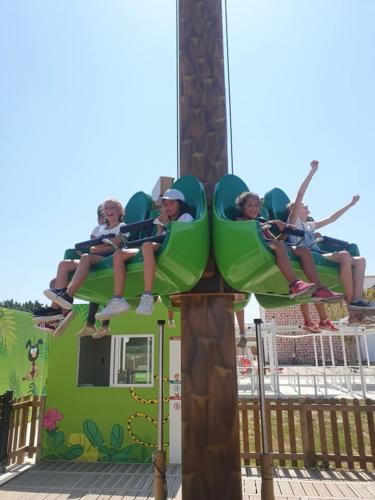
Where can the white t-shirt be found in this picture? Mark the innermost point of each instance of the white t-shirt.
(103, 230)
(95, 231)
(309, 239)
(185, 218)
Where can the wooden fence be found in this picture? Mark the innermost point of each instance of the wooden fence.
(321, 433)
(5, 413)
(25, 432)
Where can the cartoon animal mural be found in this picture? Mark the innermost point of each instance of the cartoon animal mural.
(33, 352)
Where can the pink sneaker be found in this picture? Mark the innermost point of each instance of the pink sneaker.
(324, 294)
(299, 287)
(328, 325)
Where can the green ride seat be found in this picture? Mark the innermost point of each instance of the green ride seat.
(243, 257)
(276, 201)
(180, 260)
(138, 208)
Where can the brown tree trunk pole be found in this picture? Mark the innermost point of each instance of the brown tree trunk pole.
(210, 431)
(211, 468)
(203, 129)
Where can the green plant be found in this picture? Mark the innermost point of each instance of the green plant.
(114, 452)
(56, 447)
(320, 464)
(14, 383)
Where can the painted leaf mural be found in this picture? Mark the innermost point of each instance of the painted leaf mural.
(117, 436)
(93, 433)
(8, 335)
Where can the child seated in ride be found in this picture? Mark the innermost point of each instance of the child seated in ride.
(63, 292)
(248, 205)
(89, 329)
(173, 208)
(352, 269)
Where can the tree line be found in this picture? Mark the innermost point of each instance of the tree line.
(27, 306)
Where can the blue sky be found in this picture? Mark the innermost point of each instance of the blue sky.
(88, 111)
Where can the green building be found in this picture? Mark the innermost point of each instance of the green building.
(101, 401)
(23, 355)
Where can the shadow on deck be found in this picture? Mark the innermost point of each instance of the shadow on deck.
(59, 480)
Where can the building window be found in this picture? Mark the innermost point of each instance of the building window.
(132, 361)
(116, 361)
(94, 362)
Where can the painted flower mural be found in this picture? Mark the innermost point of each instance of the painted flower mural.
(56, 447)
(51, 418)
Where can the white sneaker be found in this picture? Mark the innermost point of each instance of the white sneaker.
(114, 307)
(63, 325)
(171, 323)
(146, 305)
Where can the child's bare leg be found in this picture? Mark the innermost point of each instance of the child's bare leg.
(119, 269)
(322, 312)
(305, 313)
(283, 260)
(308, 264)
(359, 269)
(148, 251)
(240, 315)
(117, 305)
(344, 259)
(63, 271)
(82, 272)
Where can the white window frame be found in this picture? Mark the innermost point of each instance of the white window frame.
(115, 358)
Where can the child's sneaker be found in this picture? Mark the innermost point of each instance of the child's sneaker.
(171, 323)
(310, 327)
(361, 305)
(102, 332)
(355, 318)
(328, 325)
(47, 327)
(146, 305)
(242, 342)
(115, 306)
(86, 331)
(64, 300)
(47, 314)
(52, 293)
(299, 287)
(324, 294)
(63, 325)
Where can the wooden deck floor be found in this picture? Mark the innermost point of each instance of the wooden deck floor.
(108, 481)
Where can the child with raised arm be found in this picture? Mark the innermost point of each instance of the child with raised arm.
(352, 269)
(63, 292)
(248, 205)
(173, 208)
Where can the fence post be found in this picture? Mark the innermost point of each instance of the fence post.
(308, 455)
(267, 490)
(6, 412)
(39, 432)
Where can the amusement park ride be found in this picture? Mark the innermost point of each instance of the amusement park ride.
(204, 266)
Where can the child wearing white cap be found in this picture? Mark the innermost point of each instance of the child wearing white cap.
(173, 208)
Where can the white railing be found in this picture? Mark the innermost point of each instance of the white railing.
(328, 377)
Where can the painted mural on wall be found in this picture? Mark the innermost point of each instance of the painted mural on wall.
(95, 421)
(23, 354)
(90, 445)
